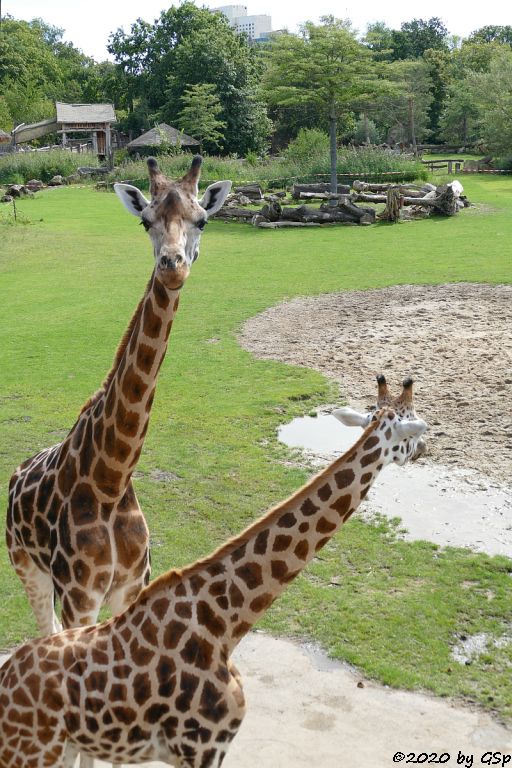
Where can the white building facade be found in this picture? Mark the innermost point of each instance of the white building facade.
(256, 27)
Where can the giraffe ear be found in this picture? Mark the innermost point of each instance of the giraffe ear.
(132, 198)
(411, 428)
(215, 196)
(352, 418)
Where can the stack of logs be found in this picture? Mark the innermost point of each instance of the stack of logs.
(402, 201)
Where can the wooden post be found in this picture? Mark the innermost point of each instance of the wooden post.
(333, 150)
(450, 167)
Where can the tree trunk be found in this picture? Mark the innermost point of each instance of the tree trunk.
(366, 128)
(412, 128)
(333, 151)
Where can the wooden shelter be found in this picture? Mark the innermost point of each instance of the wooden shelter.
(95, 119)
(160, 136)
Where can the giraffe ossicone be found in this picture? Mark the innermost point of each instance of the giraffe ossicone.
(157, 682)
(75, 530)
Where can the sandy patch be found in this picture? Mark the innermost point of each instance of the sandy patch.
(455, 340)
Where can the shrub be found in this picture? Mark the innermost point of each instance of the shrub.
(24, 166)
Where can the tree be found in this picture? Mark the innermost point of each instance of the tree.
(405, 113)
(380, 41)
(459, 119)
(189, 46)
(325, 68)
(492, 92)
(199, 116)
(417, 36)
(492, 34)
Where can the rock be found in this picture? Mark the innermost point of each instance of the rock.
(17, 190)
(34, 185)
(57, 181)
(6, 199)
(73, 178)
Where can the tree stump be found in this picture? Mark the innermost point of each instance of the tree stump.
(394, 202)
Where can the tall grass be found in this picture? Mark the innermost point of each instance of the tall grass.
(282, 171)
(20, 167)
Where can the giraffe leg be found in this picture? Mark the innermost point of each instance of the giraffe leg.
(40, 592)
(80, 608)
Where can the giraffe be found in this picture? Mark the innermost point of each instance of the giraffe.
(156, 682)
(74, 526)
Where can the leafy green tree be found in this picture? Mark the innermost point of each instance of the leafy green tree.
(492, 93)
(417, 36)
(380, 41)
(199, 116)
(325, 68)
(492, 33)
(404, 114)
(459, 119)
(188, 46)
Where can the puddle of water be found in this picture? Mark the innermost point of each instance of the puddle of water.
(435, 503)
(322, 435)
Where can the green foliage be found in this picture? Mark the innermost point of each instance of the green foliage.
(186, 47)
(309, 146)
(37, 68)
(493, 33)
(23, 166)
(492, 93)
(199, 116)
(298, 164)
(418, 36)
(366, 131)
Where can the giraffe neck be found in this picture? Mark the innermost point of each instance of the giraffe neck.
(230, 590)
(108, 436)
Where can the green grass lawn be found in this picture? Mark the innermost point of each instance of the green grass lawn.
(70, 280)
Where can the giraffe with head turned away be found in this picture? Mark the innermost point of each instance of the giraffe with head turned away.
(74, 526)
(157, 682)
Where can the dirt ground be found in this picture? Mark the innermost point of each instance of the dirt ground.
(454, 340)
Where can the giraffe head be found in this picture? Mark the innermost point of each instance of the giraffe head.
(399, 427)
(174, 218)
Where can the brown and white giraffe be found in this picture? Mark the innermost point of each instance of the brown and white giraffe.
(74, 526)
(157, 682)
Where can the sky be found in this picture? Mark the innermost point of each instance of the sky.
(88, 25)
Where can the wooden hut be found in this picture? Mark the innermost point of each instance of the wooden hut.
(95, 119)
(160, 137)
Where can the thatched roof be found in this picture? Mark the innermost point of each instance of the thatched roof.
(5, 138)
(163, 134)
(85, 113)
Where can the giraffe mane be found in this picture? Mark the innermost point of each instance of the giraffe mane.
(121, 349)
(175, 575)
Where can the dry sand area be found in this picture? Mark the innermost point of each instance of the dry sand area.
(454, 340)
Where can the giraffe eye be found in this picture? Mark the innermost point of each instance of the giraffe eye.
(145, 223)
(201, 224)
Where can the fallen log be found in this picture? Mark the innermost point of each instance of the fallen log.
(320, 196)
(284, 224)
(325, 215)
(342, 189)
(272, 211)
(235, 214)
(410, 190)
(252, 191)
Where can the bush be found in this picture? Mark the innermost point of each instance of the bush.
(24, 166)
(310, 146)
(306, 161)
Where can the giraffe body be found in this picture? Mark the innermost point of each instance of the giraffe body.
(156, 682)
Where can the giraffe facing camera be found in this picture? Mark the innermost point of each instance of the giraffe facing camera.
(75, 530)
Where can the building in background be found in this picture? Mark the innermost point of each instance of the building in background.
(257, 27)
